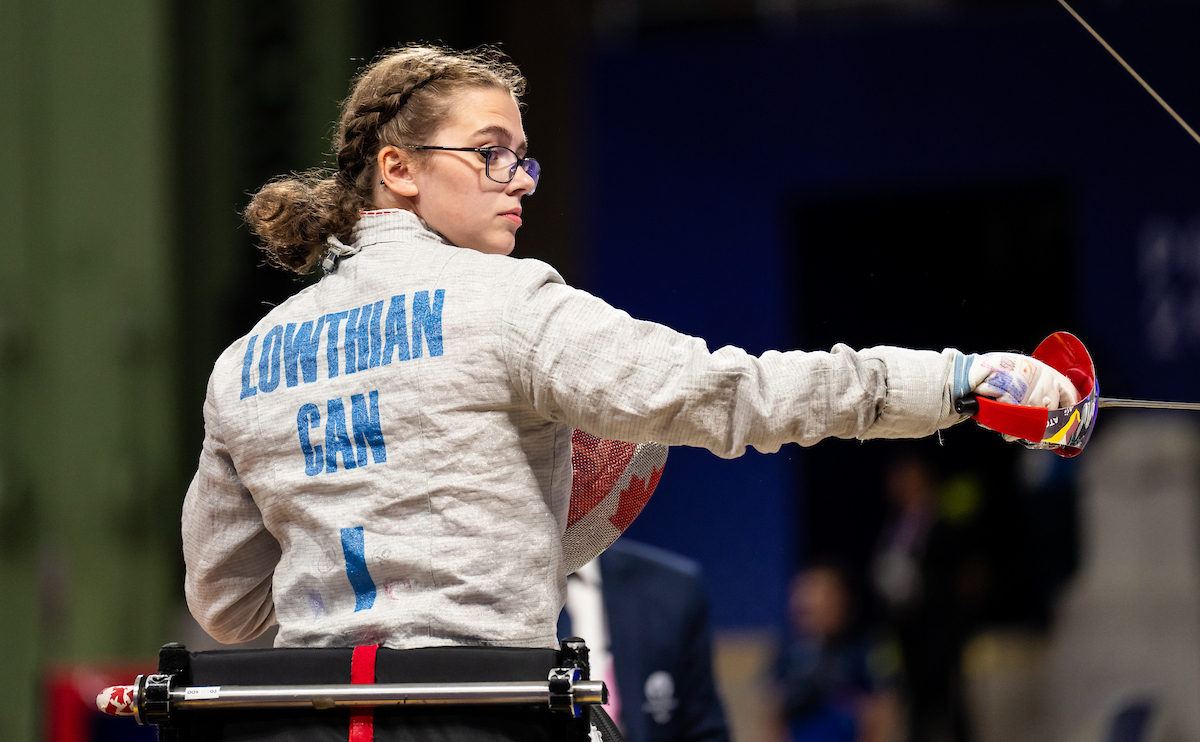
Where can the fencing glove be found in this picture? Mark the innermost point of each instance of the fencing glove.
(1013, 379)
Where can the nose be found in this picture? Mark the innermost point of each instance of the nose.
(522, 181)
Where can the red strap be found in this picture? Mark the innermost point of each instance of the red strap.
(1025, 422)
(362, 672)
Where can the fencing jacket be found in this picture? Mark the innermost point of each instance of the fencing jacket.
(387, 454)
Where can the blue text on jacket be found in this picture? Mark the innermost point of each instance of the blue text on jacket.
(353, 444)
(372, 337)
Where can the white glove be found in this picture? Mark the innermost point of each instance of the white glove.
(1016, 379)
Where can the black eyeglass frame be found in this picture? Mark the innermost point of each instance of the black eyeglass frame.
(487, 160)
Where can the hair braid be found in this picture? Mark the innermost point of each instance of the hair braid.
(401, 98)
(362, 133)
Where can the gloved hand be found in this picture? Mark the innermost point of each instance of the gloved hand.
(1013, 379)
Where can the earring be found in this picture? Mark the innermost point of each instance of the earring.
(381, 182)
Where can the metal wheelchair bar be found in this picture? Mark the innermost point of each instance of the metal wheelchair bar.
(383, 694)
(154, 699)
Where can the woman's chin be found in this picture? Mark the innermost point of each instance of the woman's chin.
(496, 247)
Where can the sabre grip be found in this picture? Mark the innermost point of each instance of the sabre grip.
(1019, 421)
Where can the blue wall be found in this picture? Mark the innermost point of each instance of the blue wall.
(697, 148)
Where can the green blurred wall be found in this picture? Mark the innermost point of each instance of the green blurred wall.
(120, 181)
(87, 340)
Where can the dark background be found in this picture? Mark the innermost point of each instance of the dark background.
(973, 175)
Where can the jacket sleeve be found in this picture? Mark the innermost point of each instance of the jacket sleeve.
(229, 554)
(581, 362)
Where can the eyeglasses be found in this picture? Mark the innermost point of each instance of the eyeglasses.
(501, 159)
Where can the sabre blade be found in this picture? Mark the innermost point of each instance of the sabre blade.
(1149, 404)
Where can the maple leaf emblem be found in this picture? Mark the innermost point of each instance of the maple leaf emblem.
(116, 701)
(633, 499)
(596, 466)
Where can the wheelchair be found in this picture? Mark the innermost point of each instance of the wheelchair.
(370, 694)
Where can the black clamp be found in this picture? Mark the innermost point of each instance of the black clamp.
(573, 667)
(152, 693)
(153, 699)
(562, 694)
(573, 652)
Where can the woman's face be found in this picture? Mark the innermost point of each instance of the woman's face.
(454, 194)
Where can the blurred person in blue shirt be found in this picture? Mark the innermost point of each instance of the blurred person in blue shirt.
(837, 684)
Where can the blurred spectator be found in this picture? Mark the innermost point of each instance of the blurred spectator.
(1046, 492)
(644, 615)
(837, 685)
(932, 576)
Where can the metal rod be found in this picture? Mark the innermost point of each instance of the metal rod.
(386, 694)
(1148, 404)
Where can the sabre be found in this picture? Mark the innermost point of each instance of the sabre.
(1066, 430)
(1149, 404)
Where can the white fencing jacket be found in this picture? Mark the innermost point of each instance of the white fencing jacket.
(387, 454)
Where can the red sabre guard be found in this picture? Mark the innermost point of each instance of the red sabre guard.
(1064, 431)
(1067, 430)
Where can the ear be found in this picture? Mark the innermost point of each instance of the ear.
(395, 171)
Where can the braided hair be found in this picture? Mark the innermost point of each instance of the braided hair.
(403, 97)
